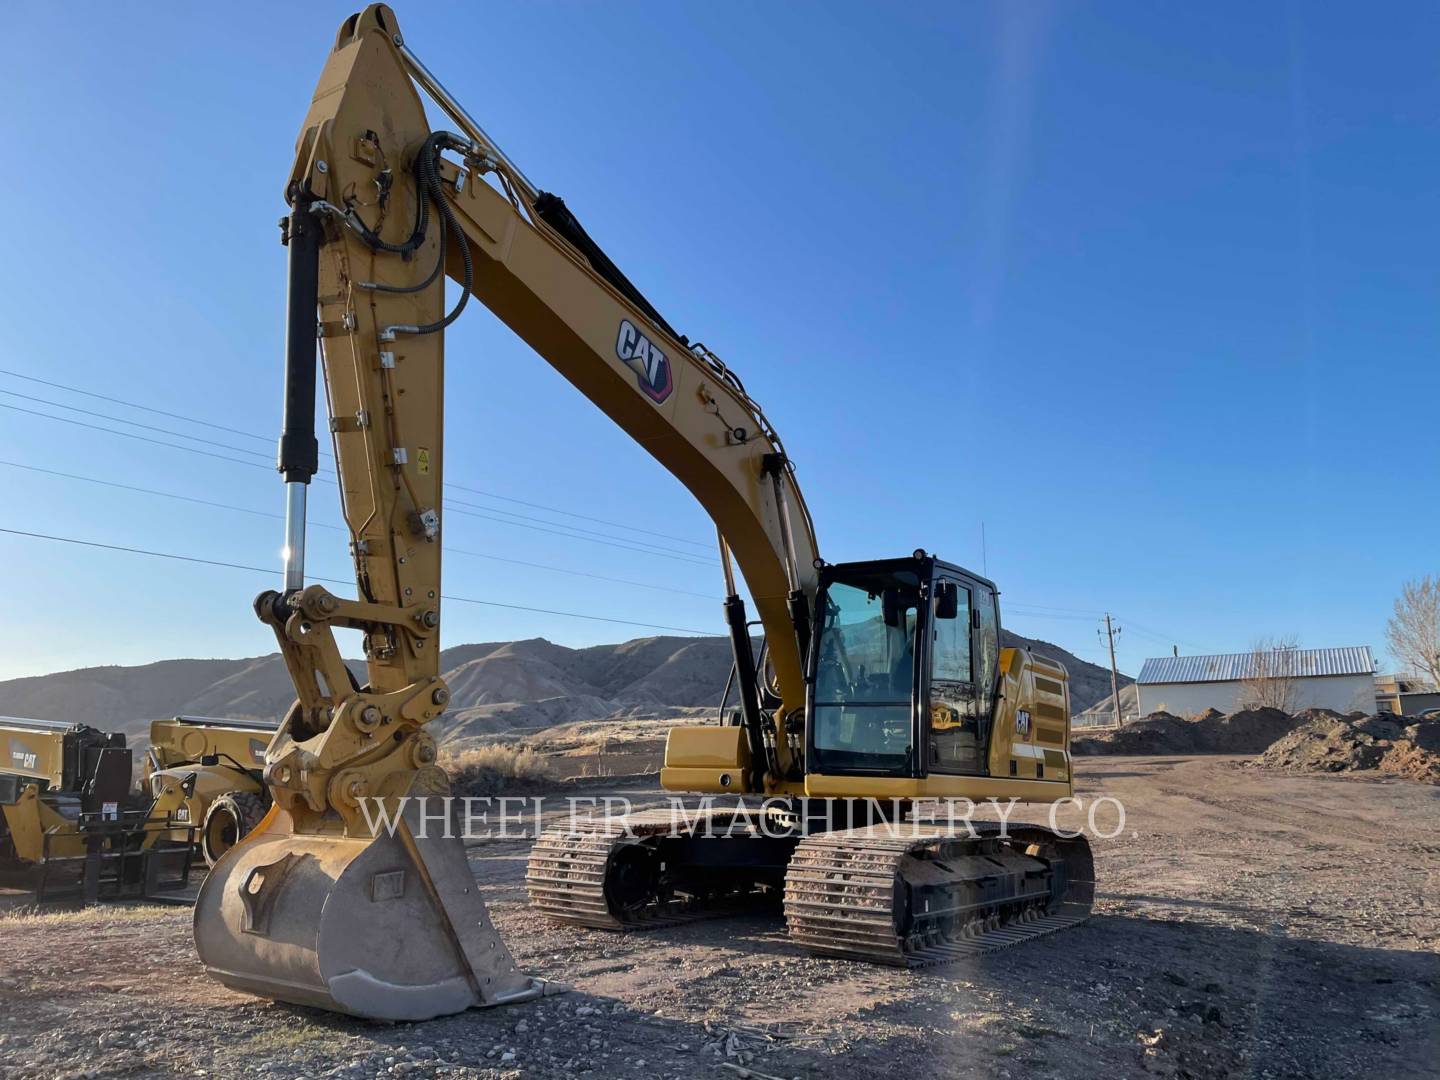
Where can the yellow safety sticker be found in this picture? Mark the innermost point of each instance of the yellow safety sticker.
(422, 460)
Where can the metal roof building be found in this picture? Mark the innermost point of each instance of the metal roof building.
(1342, 679)
(1229, 667)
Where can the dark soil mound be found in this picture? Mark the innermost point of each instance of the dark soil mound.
(1247, 732)
(1386, 744)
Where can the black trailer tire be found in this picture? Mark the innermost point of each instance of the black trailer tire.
(229, 818)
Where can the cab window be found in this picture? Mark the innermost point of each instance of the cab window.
(987, 650)
(954, 707)
(951, 658)
(865, 674)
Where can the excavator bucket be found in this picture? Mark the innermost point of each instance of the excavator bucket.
(390, 928)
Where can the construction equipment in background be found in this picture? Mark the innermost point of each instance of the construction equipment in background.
(228, 796)
(70, 825)
(319, 907)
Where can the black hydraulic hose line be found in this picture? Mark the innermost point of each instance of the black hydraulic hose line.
(376, 286)
(427, 178)
(417, 235)
(430, 181)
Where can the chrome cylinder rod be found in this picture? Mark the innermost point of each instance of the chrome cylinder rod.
(432, 86)
(294, 536)
(725, 563)
(787, 539)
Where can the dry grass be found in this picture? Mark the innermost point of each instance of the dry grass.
(495, 769)
(98, 915)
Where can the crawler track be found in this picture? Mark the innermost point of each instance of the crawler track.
(919, 896)
(905, 895)
(576, 872)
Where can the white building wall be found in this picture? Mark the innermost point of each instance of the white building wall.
(1343, 693)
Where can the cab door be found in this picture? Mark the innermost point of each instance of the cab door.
(962, 671)
(951, 714)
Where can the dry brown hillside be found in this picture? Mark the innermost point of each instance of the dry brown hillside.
(497, 686)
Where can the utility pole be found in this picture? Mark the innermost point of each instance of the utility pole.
(1110, 632)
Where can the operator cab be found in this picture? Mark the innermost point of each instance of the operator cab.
(903, 670)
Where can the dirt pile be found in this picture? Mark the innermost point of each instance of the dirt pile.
(1357, 743)
(1249, 731)
(1103, 711)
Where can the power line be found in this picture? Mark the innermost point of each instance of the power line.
(451, 503)
(133, 405)
(341, 581)
(1161, 636)
(631, 546)
(337, 528)
(140, 438)
(478, 510)
(1029, 611)
(134, 423)
(152, 491)
(253, 435)
(578, 573)
(1053, 607)
(1024, 614)
(582, 517)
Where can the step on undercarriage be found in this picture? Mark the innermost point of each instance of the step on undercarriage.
(906, 894)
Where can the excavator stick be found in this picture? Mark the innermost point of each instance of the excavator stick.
(350, 895)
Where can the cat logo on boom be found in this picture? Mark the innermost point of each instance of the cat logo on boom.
(651, 366)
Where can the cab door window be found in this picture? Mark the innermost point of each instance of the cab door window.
(986, 652)
(954, 706)
(950, 660)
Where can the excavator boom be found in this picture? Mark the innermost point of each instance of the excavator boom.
(880, 679)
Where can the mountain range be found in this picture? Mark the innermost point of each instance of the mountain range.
(521, 686)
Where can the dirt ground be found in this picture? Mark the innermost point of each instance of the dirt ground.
(1249, 924)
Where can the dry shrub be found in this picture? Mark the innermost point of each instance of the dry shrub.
(96, 915)
(497, 769)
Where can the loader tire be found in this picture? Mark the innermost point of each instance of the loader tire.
(229, 818)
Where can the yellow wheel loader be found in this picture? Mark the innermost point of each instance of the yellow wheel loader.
(228, 797)
(71, 826)
(837, 736)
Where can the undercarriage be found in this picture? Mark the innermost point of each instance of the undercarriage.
(899, 892)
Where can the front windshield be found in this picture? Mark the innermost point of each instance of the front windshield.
(865, 671)
(867, 642)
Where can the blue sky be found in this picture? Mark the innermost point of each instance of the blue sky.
(1148, 289)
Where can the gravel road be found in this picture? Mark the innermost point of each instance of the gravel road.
(1250, 924)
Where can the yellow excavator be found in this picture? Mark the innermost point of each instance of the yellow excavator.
(880, 685)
